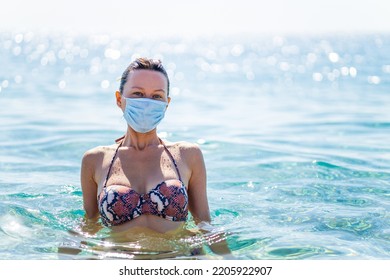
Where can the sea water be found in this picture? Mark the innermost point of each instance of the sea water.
(294, 130)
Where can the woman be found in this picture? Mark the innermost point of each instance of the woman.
(142, 183)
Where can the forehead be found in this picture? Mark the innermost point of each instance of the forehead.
(148, 79)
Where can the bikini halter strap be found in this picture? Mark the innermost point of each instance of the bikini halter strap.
(116, 152)
(111, 163)
(172, 158)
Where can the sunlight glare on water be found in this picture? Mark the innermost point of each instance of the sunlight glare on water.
(293, 131)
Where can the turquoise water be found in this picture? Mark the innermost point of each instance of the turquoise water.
(295, 133)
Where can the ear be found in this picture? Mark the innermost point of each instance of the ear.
(118, 97)
(169, 100)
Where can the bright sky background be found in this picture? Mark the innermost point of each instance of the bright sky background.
(196, 17)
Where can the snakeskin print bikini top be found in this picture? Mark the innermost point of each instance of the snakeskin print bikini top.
(119, 204)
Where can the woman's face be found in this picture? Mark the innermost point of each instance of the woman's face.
(145, 85)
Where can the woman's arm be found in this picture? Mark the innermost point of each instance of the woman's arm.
(198, 203)
(88, 184)
(197, 193)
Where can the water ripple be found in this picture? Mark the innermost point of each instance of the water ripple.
(293, 132)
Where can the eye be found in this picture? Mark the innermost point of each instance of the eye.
(137, 93)
(157, 96)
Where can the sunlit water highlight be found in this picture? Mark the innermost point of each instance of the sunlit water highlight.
(294, 132)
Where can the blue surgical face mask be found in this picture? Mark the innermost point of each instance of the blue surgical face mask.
(144, 114)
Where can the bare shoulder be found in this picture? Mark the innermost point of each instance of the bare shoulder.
(97, 154)
(183, 146)
(191, 152)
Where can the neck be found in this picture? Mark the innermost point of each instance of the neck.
(140, 141)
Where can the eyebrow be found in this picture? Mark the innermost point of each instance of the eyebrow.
(135, 87)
